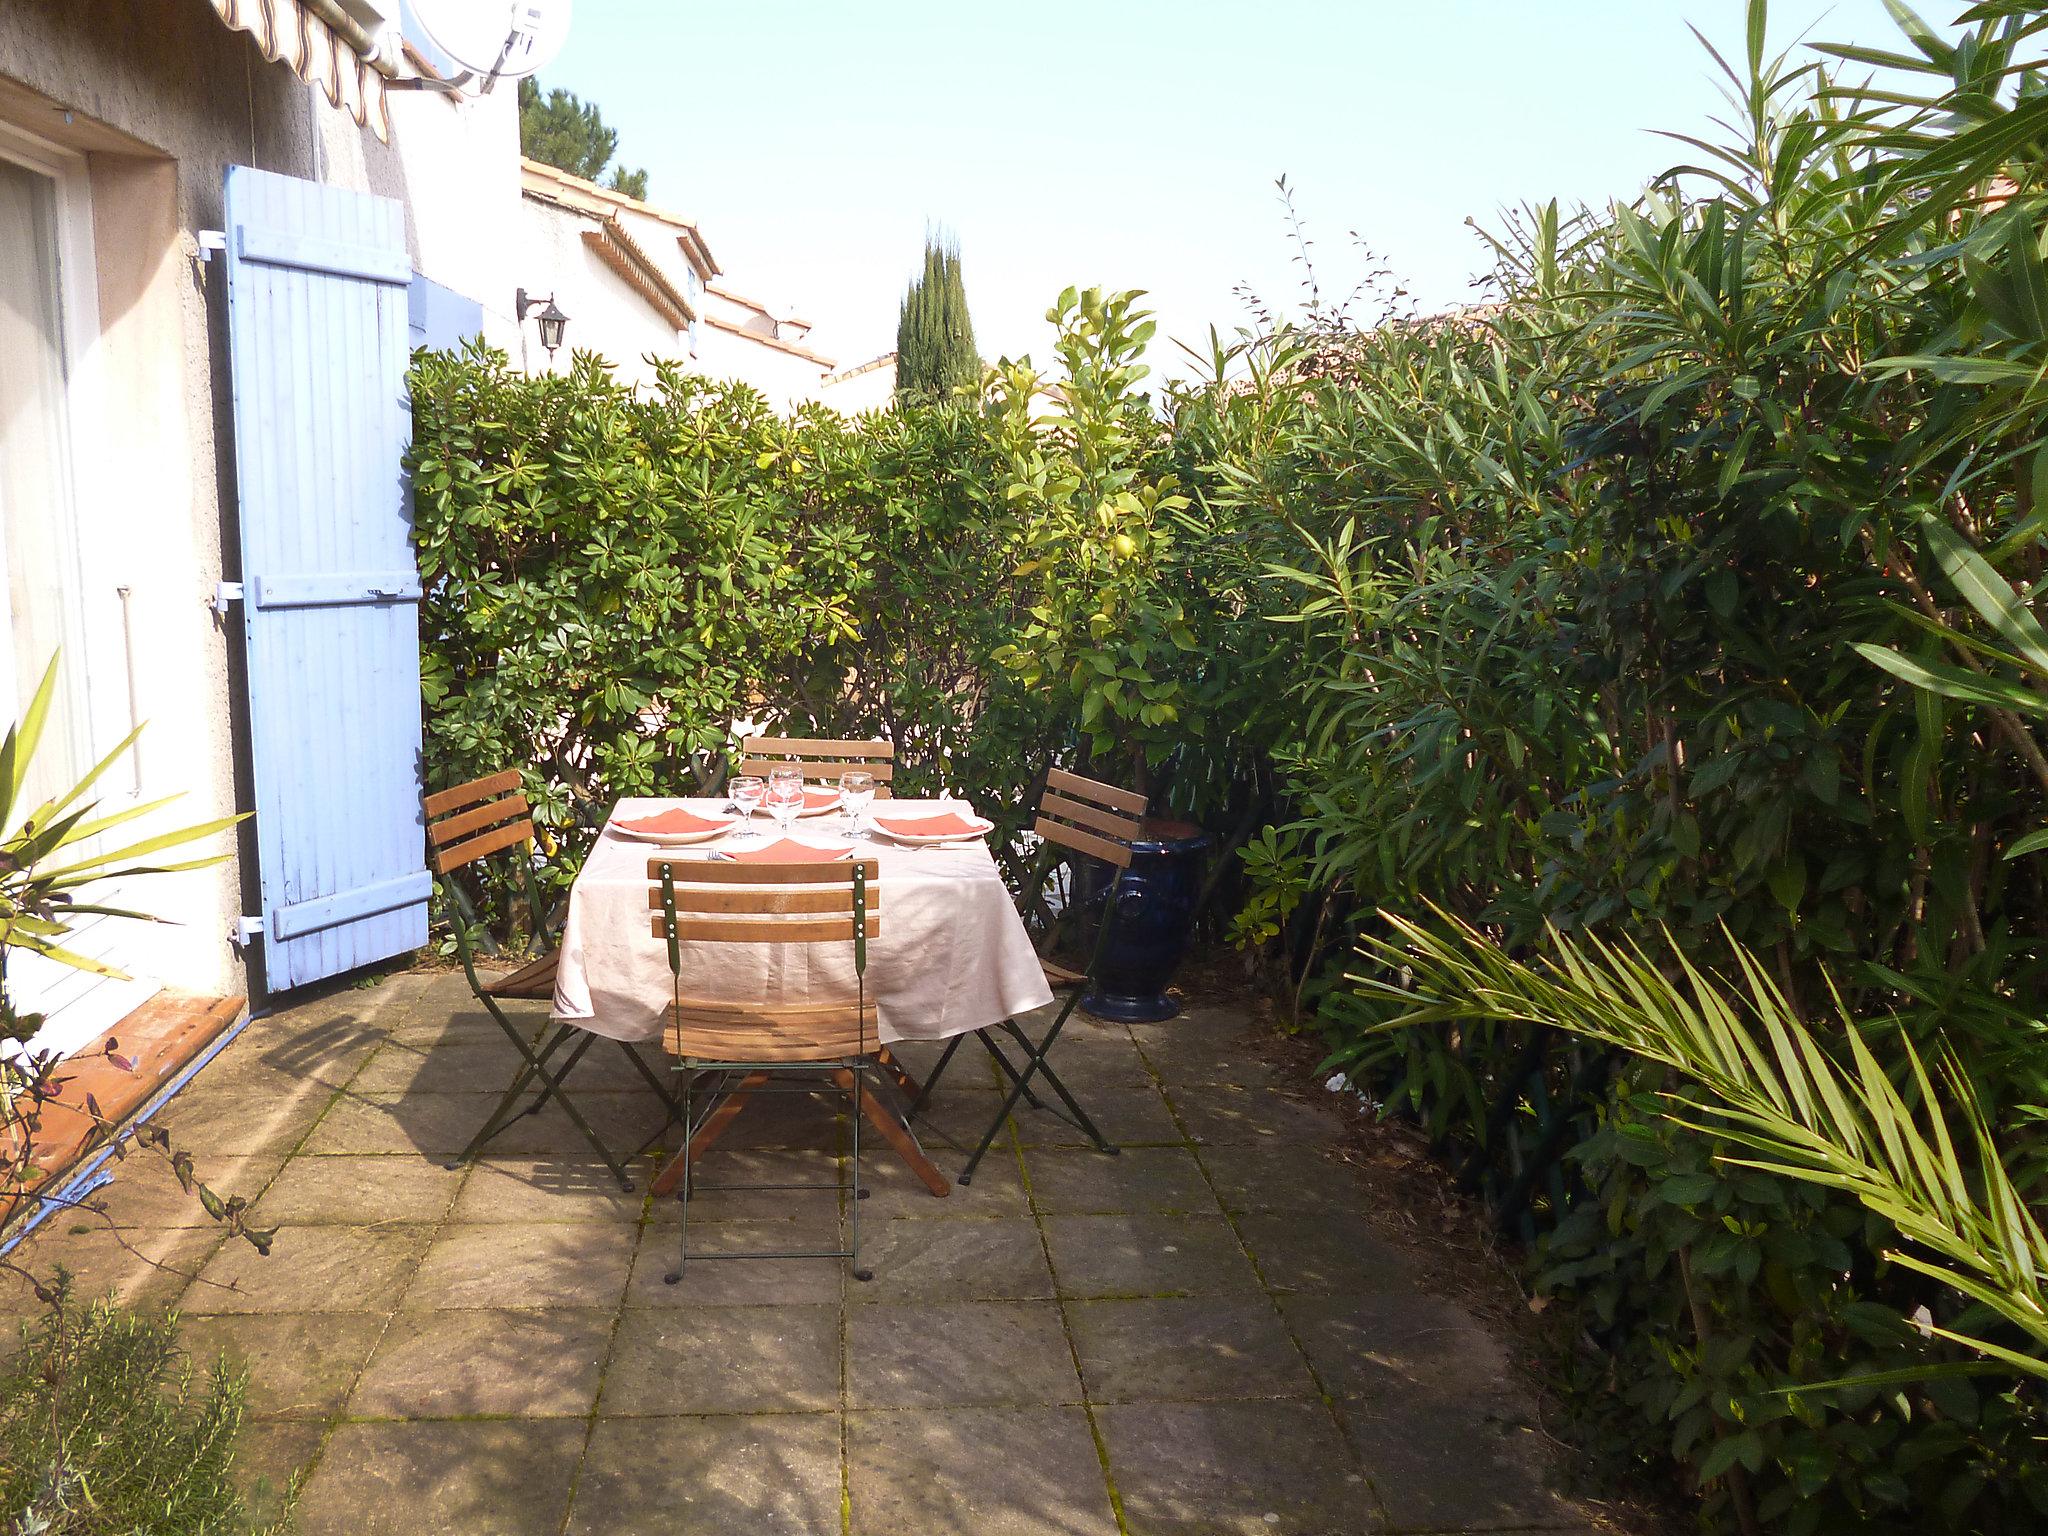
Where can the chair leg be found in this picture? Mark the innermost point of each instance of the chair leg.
(1035, 1062)
(1044, 1070)
(535, 1064)
(895, 1069)
(1010, 1071)
(683, 1163)
(867, 1105)
(853, 1111)
(917, 1101)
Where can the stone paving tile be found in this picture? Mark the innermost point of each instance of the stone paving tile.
(1072, 1181)
(311, 1269)
(985, 1471)
(622, 1120)
(1287, 1176)
(146, 1268)
(462, 1063)
(1204, 1469)
(508, 1477)
(958, 1354)
(997, 1189)
(739, 1282)
(432, 1125)
(541, 1189)
(1127, 1116)
(524, 1264)
(1147, 1255)
(145, 1193)
(359, 1191)
(269, 1455)
(1297, 1255)
(1000, 1259)
(212, 1124)
(1242, 1113)
(758, 1165)
(1391, 1342)
(776, 1359)
(1454, 1461)
(328, 1053)
(462, 1364)
(300, 1364)
(774, 1474)
(1185, 1349)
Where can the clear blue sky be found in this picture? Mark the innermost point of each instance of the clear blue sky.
(1134, 143)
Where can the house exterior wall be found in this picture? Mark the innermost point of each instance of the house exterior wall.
(161, 98)
(871, 389)
(786, 379)
(606, 315)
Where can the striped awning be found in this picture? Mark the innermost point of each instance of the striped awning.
(294, 33)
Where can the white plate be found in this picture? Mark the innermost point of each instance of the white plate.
(908, 841)
(820, 810)
(673, 839)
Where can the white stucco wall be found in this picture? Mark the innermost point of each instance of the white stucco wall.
(161, 98)
(606, 315)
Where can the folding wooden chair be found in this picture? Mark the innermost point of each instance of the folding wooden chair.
(743, 1046)
(1075, 816)
(820, 762)
(466, 825)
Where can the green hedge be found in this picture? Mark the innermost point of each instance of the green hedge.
(1545, 613)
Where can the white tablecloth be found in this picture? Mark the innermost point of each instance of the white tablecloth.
(952, 955)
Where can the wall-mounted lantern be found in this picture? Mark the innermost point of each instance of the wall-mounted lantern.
(550, 321)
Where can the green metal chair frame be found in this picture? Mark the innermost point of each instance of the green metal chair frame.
(465, 825)
(795, 904)
(1074, 815)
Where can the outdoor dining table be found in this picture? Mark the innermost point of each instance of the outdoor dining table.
(952, 955)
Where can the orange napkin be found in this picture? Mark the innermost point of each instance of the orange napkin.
(945, 824)
(818, 799)
(677, 820)
(788, 851)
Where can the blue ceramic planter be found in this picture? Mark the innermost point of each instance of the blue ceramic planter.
(1155, 921)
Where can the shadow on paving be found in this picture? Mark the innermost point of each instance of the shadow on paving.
(1201, 1335)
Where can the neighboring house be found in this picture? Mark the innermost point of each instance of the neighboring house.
(638, 284)
(201, 497)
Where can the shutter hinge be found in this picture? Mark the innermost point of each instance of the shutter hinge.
(211, 240)
(245, 930)
(225, 592)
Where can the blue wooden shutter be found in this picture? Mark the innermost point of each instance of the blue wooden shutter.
(317, 332)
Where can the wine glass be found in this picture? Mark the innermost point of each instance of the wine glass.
(857, 792)
(746, 792)
(785, 796)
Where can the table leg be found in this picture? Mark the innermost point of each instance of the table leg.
(904, 1144)
(713, 1127)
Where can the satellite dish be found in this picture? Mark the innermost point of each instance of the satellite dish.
(495, 39)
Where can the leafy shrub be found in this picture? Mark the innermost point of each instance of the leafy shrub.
(107, 1427)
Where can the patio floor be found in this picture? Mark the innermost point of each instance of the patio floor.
(1201, 1335)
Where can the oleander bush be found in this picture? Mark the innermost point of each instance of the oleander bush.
(1685, 591)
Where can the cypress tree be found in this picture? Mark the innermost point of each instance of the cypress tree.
(934, 336)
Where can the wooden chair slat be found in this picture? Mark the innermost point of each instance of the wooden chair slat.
(799, 746)
(1115, 823)
(727, 872)
(532, 980)
(483, 843)
(451, 828)
(697, 898)
(761, 930)
(1095, 791)
(1057, 975)
(1084, 842)
(712, 1031)
(814, 771)
(487, 788)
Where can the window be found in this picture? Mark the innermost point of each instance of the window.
(39, 547)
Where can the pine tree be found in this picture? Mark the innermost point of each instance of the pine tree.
(934, 335)
(565, 131)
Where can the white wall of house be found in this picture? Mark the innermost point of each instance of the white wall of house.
(606, 315)
(137, 108)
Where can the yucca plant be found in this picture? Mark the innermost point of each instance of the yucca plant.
(1770, 1085)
